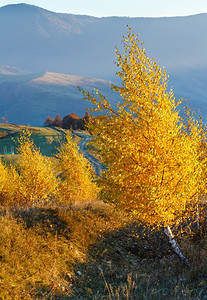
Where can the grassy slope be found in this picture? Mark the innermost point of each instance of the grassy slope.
(33, 97)
(86, 251)
(47, 139)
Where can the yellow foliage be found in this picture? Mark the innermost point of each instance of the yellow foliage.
(37, 180)
(76, 174)
(155, 161)
(9, 184)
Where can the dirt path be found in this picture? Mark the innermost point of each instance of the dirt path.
(95, 162)
(85, 138)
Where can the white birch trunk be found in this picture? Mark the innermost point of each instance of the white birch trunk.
(198, 217)
(175, 247)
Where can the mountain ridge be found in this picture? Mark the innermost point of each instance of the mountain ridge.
(84, 45)
(36, 7)
(31, 98)
(39, 41)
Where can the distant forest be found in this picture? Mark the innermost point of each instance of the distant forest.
(71, 121)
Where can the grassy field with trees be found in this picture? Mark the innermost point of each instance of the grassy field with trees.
(61, 242)
(45, 138)
(66, 233)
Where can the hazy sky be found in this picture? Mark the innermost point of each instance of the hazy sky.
(131, 8)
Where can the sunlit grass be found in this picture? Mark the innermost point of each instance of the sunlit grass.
(88, 251)
(41, 245)
(83, 249)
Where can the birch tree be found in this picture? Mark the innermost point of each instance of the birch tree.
(76, 174)
(37, 182)
(155, 162)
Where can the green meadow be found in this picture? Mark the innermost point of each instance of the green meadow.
(45, 138)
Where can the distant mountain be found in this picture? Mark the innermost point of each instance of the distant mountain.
(9, 70)
(29, 99)
(35, 39)
(38, 40)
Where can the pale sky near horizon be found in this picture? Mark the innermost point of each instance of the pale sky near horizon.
(129, 8)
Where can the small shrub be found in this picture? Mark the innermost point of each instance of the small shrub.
(76, 174)
(37, 180)
(9, 184)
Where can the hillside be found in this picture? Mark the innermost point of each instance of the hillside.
(38, 41)
(46, 139)
(29, 99)
(190, 85)
(86, 250)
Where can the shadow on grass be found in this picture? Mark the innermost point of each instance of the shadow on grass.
(47, 219)
(122, 267)
(127, 263)
(134, 262)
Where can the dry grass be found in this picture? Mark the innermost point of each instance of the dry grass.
(87, 251)
(133, 263)
(41, 245)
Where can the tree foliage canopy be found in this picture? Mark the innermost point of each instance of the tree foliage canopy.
(76, 174)
(37, 180)
(155, 161)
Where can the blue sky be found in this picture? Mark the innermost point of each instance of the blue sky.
(131, 8)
